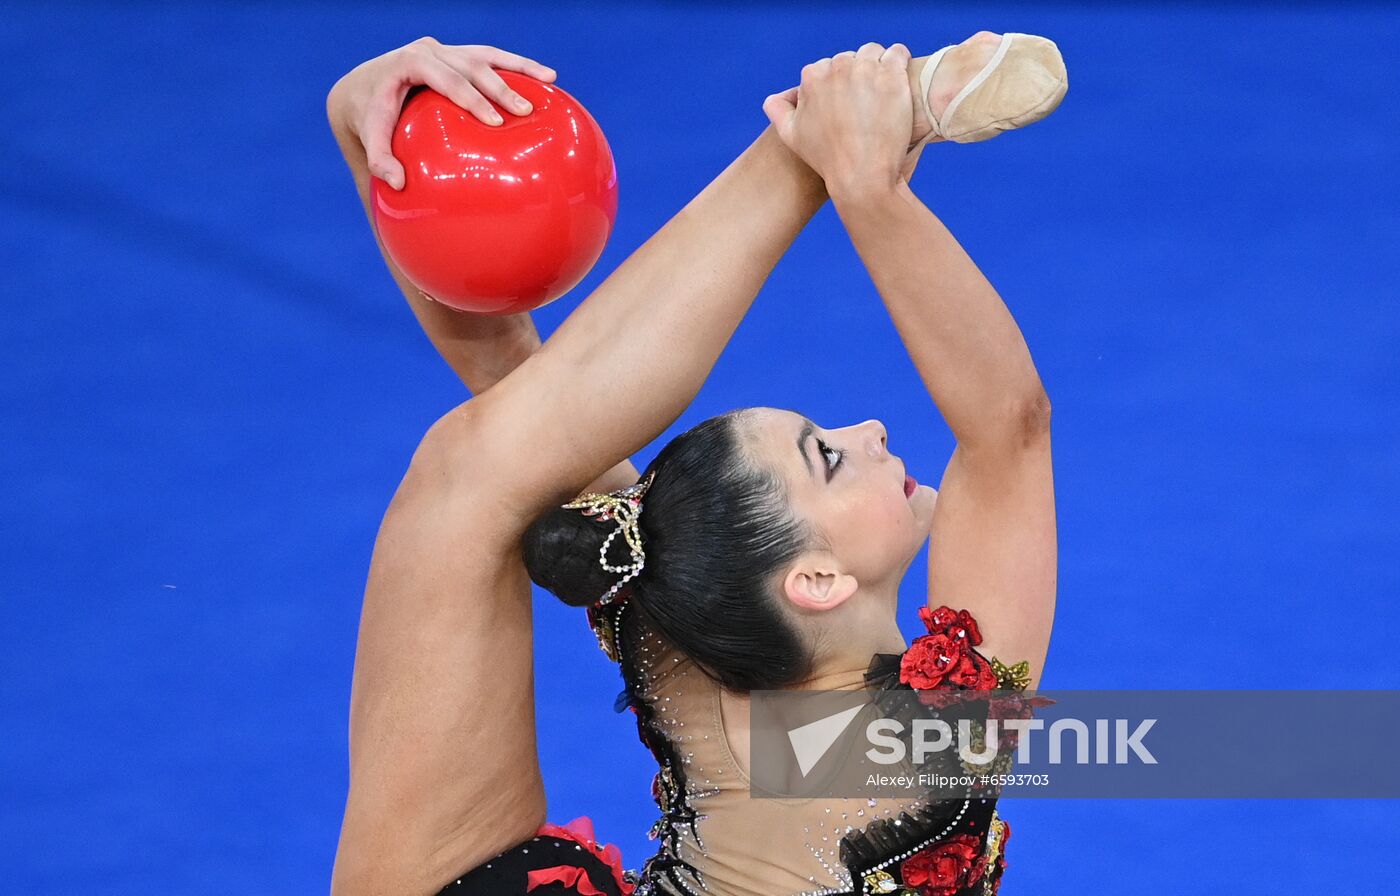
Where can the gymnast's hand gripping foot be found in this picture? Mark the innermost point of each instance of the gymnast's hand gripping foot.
(766, 550)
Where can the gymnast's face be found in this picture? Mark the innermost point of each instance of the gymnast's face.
(846, 483)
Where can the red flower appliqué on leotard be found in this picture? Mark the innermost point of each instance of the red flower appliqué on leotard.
(945, 656)
(945, 868)
(580, 830)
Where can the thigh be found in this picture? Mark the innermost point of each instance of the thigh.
(443, 765)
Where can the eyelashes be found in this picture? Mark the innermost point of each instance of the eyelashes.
(827, 449)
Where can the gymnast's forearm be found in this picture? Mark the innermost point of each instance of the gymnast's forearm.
(962, 338)
(480, 349)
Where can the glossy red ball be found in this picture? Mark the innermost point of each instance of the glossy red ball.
(497, 219)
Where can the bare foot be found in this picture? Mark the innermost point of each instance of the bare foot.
(959, 65)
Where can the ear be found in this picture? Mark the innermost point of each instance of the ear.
(816, 582)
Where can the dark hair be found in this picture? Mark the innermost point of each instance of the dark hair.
(715, 528)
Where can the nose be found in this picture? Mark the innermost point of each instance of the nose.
(876, 438)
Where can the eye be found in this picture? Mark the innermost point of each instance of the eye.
(827, 452)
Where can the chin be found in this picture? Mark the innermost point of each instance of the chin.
(925, 496)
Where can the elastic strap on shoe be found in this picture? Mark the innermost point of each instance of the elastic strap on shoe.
(926, 81)
(978, 79)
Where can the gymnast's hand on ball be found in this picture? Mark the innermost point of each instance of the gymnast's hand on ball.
(850, 118)
(369, 98)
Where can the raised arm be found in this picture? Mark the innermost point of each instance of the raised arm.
(993, 544)
(993, 531)
(362, 109)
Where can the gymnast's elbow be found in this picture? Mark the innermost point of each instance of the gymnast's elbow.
(1033, 418)
(1010, 426)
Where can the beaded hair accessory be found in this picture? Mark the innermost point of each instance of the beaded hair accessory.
(623, 506)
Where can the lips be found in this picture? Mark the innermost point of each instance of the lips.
(910, 483)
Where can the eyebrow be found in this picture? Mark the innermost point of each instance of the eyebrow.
(802, 447)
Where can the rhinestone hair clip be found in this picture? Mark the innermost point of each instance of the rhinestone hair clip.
(624, 506)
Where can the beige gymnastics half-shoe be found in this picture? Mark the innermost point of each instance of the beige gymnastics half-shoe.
(1023, 82)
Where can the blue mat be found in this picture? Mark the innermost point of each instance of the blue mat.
(212, 388)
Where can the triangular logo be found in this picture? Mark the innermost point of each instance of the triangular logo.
(811, 741)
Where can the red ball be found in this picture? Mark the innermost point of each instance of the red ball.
(498, 219)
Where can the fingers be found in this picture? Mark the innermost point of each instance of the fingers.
(488, 82)
(871, 51)
(457, 87)
(463, 74)
(897, 54)
(512, 62)
(469, 72)
(875, 52)
(814, 71)
(779, 108)
(823, 67)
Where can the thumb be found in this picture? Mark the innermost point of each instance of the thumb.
(779, 108)
(377, 134)
(384, 166)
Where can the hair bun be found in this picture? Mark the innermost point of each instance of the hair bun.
(716, 529)
(561, 555)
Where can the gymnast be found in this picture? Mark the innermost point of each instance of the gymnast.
(759, 550)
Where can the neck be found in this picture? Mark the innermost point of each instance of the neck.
(849, 636)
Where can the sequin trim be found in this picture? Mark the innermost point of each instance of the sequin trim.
(867, 869)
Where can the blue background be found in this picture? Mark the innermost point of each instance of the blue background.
(212, 387)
